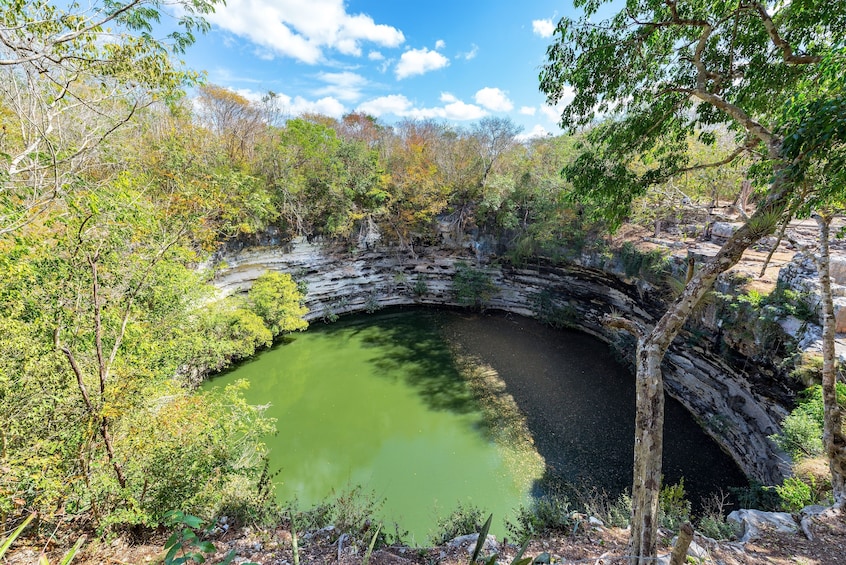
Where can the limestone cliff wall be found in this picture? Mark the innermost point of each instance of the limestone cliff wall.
(736, 402)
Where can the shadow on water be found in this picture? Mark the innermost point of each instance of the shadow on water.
(412, 347)
(580, 410)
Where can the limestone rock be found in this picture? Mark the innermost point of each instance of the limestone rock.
(738, 411)
(753, 522)
(723, 230)
(469, 543)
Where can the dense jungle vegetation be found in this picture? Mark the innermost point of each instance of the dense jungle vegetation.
(122, 172)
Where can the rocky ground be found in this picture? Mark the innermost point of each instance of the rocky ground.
(595, 545)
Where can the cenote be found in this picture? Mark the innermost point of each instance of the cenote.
(410, 405)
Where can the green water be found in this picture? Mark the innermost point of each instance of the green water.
(377, 401)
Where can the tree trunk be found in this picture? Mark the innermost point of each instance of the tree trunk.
(833, 437)
(650, 380)
(648, 449)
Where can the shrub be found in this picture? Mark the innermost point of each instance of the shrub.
(801, 433)
(465, 519)
(712, 522)
(613, 513)
(421, 285)
(796, 494)
(673, 507)
(652, 266)
(472, 287)
(548, 311)
(542, 517)
(353, 511)
(277, 300)
(757, 496)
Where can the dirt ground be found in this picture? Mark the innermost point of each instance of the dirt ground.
(595, 546)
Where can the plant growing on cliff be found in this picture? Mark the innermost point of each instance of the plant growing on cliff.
(472, 287)
(660, 72)
(277, 300)
(802, 430)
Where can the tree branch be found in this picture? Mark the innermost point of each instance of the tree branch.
(618, 322)
(785, 48)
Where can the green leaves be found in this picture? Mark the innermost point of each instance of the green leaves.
(183, 545)
(658, 73)
(276, 299)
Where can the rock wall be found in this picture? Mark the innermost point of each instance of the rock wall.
(738, 405)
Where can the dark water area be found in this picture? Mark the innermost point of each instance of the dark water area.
(380, 401)
(580, 405)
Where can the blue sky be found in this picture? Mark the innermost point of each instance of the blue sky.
(451, 60)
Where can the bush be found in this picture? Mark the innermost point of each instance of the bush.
(465, 519)
(801, 433)
(472, 287)
(712, 523)
(548, 311)
(353, 512)
(277, 300)
(796, 494)
(192, 453)
(673, 508)
(757, 496)
(543, 516)
(613, 513)
(652, 266)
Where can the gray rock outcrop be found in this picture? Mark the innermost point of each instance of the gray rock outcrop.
(730, 402)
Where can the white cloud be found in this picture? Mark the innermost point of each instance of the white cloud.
(494, 99)
(327, 106)
(400, 106)
(296, 106)
(543, 28)
(344, 86)
(302, 30)
(418, 62)
(440, 44)
(459, 111)
(474, 50)
(395, 104)
(375, 56)
(553, 113)
(528, 110)
(537, 131)
(250, 95)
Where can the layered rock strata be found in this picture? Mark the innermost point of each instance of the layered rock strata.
(737, 402)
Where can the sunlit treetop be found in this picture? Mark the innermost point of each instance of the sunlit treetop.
(660, 71)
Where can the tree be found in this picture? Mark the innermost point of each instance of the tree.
(418, 193)
(276, 300)
(234, 119)
(71, 76)
(814, 126)
(660, 71)
(97, 316)
(494, 136)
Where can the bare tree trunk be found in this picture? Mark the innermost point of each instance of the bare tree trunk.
(679, 555)
(833, 437)
(648, 449)
(652, 346)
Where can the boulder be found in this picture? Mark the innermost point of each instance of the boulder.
(723, 230)
(469, 543)
(753, 522)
